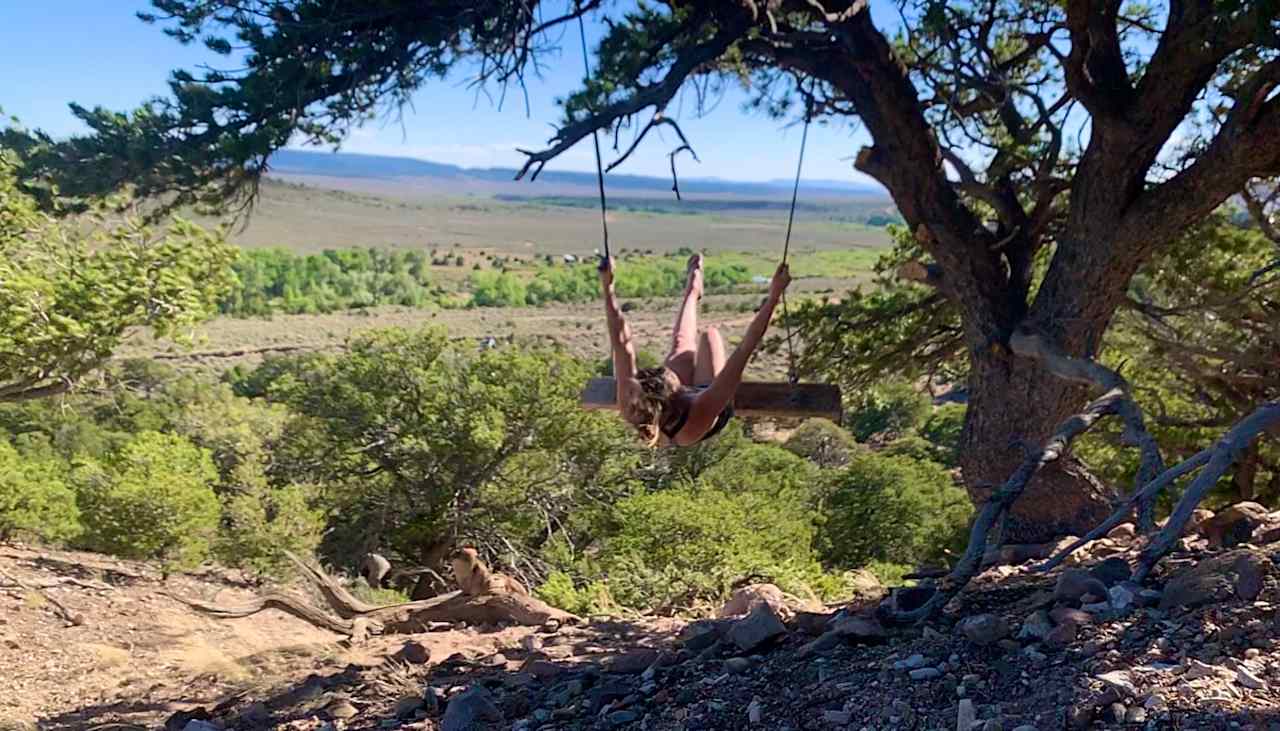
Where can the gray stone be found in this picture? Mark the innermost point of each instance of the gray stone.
(198, 725)
(737, 665)
(415, 653)
(619, 718)
(1250, 573)
(1076, 583)
(469, 710)
(1119, 681)
(1136, 714)
(1025, 727)
(1122, 597)
(812, 623)
(984, 629)
(859, 629)
(1123, 533)
(824, 643)
(925, 674)
(633, 661)
(1115, 713)
(698, 636)
(407, 706)
(1233, 525)
(1112, 571)
(1249, 680)
(839, 718)
(1148, 597)
(341, 710)
(1036, 626)
(756, 629)
(966, 715)
(911, 663)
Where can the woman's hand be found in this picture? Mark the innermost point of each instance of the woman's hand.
(605, 270)
(781, 279)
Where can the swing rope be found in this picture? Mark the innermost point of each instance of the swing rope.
(793, 375)
(595, 138)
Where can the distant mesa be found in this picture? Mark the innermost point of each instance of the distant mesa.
(381, 173)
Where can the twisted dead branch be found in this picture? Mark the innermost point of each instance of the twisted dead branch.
(357, 619)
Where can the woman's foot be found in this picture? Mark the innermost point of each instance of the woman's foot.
(693, 285)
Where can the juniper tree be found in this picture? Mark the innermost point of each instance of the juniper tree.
(1086, 135)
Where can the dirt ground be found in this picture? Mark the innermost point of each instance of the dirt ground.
(1201, 654)
(138, 656)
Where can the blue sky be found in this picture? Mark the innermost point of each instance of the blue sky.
(97, 53)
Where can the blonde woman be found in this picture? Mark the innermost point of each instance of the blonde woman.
(689, 398)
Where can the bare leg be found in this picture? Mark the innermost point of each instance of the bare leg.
(711, 357)
(684, 336)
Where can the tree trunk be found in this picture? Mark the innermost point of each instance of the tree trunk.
(1247, 473)
(1014, 404)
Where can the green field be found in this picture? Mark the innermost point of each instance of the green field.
(310, 219)
(828, 256)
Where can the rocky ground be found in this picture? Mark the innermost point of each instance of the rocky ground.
(1076, 648)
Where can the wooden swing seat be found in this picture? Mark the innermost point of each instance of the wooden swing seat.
(753, 399)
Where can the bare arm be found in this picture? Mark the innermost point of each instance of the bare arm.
(621, 342)
(707, 406)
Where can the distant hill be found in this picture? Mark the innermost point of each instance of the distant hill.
(385, 174)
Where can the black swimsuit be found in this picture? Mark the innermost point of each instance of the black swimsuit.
(672, 428)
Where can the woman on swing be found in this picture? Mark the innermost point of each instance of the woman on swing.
(689, 398)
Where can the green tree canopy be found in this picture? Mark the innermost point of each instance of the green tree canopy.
(71, 291)
(422, 441)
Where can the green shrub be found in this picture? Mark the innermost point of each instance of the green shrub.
(765, 469)
(891, 509)
(886, 411)
(35, 499)
(823, 443)
(943, 428)
(153, 499)
(917, 448)
(679, 546)
(258, 526)
(559, 591)
(377, 595)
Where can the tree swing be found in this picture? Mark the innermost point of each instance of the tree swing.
(790, 399)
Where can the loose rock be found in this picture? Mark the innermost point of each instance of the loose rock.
(966, 715)
(984, 629)
(469, 709)
(1037, 626)
(1112, 571)
(746, 598)
(1076, 583)
(1233, 525)
(1119, 681)
(756, 629)
(415, 653)
(1249, 680)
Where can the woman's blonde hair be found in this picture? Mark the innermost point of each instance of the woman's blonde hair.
(648, 407)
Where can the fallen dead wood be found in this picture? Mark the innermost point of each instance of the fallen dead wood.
(356, 619)
(67, 615)
(242, 352)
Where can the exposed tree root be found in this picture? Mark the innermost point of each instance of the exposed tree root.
(1117, 399)
(1222, 456)
(997, 506)
(356, 618)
